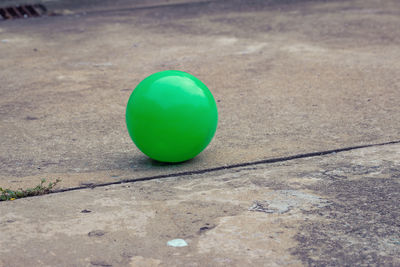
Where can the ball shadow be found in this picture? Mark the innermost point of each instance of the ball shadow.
(157, 163)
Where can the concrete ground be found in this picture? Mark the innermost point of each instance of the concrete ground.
(304, 168)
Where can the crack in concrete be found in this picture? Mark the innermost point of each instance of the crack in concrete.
(145, 7)
(227, 167)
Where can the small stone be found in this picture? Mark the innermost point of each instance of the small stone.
(177, 243)
(96, 233)
(86, 211)
(100, 263)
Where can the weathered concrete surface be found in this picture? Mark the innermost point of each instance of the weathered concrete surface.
(336, 210)
(290, 77)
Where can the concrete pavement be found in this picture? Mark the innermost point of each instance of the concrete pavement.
(334, 210)
(289, 77)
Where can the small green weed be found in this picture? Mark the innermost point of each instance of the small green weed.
(40, 189)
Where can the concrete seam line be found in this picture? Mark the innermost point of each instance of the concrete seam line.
(129, 9)
(239, 165)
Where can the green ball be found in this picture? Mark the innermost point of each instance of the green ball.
(171, 116)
